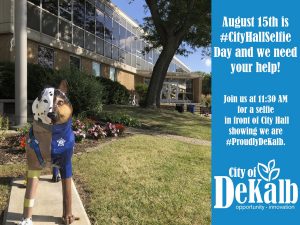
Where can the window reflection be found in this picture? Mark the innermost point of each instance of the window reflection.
(49, 24)
(90, 17)
(78, 13)
(50, 6)
(99, 23)
(108, 28)
(97, 28)
(46, 57)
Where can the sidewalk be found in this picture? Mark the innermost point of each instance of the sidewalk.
(48, 204)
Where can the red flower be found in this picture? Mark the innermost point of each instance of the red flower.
(23, 142)
(120, 127)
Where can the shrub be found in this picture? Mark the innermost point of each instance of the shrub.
(4, 122)
(206, 84)
(120, 118)
(4, 125)
(38, 78)
(141, 90)
(114, 92)
(84, 92)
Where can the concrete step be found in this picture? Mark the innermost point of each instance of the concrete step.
(48, 204)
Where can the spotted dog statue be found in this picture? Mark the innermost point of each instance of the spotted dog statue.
(50, 142)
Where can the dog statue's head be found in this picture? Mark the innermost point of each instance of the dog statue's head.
(53, 106)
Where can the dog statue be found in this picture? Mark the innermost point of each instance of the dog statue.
(50, 142)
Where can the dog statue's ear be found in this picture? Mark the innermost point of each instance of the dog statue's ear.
(63, 86)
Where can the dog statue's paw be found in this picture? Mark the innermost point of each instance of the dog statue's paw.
(69, 219)
(56, 179)
(26, 221)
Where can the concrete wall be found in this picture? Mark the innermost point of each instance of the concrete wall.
(197, 89)
(5, 54)
(104, 70)
(32, 52)
(6, 16)
(138, 80)
(86, 65)
(61, 59)
(126, 79)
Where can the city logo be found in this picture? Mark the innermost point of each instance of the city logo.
(257, 186)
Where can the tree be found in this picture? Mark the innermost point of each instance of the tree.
(206, 84)
(174, 25)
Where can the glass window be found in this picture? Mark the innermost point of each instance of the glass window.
(107, 50)
(115, 53)
(127, 58)
(65, 31)
(96, 69)
(33, 17)
(116, 34)
(100, 5)
(112, 74)
(90, 41)
(122, 55)
(66, 5)
(100, 46)
(90, 17)
(75, 62)
(108, 10)
(128, 41)
(122, 37)
(133, 61)
(108, 28)
(65, 9)
(46, 57)
(78, 13)
(78, 36)
(99, 23)
(138, 63)
(36, 2)
(122, 21)
(50, 5)
(49, 24)
(133, 44)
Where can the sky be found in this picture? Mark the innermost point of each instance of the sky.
(136, 11)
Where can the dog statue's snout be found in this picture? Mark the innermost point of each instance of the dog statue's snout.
(51, 115)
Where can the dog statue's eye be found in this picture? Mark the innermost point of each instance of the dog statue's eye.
(60, 102)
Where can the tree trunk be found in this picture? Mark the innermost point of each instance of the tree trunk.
(158, 75)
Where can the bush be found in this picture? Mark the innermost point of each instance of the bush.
(38, 78)
(114, 92)
(141, 90)
(119, 118)
(206, 84)
(84, 92)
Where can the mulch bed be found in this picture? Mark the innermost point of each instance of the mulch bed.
(11, 153)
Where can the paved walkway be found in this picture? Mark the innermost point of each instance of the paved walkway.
(48, 204)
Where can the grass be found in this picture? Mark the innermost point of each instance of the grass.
(139, 180)
(7, 172)
(168, 121)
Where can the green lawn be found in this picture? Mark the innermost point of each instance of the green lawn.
(6, 173)
(168, 121)
(146, 180)
(142, 179)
